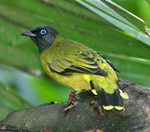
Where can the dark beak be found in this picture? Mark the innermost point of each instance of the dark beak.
(28, 33)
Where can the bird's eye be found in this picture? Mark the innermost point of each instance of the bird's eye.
(43, 32)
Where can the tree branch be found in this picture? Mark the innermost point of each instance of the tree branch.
(86, 115)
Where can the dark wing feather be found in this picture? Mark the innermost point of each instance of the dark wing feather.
(80, 64)
(109, 63)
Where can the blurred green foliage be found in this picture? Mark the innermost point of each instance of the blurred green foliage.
(73, 21)
(140, 8)
(10, 101)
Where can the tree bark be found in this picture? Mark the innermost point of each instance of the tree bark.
(86, 115)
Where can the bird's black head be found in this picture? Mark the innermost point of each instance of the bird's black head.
(43, 36)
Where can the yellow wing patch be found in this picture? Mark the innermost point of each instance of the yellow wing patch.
(94, 91)
(123, 94)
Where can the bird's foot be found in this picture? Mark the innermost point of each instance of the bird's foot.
(72, 101)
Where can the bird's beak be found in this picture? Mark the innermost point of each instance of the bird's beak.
(28, 33)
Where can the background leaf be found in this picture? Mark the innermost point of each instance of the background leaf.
(119, 17)
(10, 101)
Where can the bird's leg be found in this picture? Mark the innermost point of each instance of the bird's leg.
(72, 101)
(73, 96)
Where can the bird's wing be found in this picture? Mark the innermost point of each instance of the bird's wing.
(109, 63)
(66, 64)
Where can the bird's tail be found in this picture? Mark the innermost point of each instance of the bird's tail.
(109, 100)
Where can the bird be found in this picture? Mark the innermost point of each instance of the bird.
(78, 66)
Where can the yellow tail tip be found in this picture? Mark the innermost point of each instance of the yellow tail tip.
(119, 107)
(110, 107)
(124, 95)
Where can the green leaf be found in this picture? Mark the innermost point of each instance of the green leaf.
(134, 21)
(119, 17)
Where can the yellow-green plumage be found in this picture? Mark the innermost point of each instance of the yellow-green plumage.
(63, 50)
(80, 67)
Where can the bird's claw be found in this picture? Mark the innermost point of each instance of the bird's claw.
(72, 105)
(72, 101)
